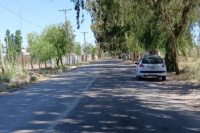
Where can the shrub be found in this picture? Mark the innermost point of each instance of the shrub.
(5, 78)
(61, 67)
(33, 78)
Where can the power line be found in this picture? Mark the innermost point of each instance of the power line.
(23, 6)
(20, 19)
(30, 11)
(20, 16)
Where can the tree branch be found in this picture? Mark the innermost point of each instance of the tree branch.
(183, 21)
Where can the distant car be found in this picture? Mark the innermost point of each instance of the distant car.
(151, 65)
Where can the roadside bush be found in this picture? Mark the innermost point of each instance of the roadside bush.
(61, 67)
(32, 79)
(15, 71)
(5, 78)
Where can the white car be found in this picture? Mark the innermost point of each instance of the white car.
(151, 65)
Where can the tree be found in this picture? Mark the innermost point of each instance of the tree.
(163, 24)
(31, 38)
(42, 49)
(11, 53)
(1, 56)
(78, 5)
(54, 42)
(176, 22)
(56, 35)
(77, 48)
(18, 41)
(13, 46)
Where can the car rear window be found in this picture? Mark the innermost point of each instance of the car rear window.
(152, 60)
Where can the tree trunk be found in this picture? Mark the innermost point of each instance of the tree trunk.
(31, 63)
(169, 57)
(173, 38)
(176, 68)
(57, 62)
(2, 59)
(61, 61)
(45, 64)
(69, 59)
(39, 64)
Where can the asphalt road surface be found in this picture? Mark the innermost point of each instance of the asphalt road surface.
(102, 97)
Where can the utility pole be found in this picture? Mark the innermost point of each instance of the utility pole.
(85, 52)
(2, 59)
(65, 11)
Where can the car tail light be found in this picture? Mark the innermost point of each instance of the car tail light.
(163, 66)
(141, 66)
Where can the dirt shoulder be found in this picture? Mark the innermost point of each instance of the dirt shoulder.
(180, 88)
(34, 77)
(185, 90)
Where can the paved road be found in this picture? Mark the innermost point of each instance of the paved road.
(102, 97)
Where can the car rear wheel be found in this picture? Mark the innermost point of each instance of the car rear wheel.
(163, 78)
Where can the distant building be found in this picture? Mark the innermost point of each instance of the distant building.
(24, 52)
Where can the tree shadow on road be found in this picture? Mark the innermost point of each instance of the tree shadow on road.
(118, 104)
(114, 103)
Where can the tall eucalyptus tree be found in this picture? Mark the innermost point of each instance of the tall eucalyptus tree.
(127, 25)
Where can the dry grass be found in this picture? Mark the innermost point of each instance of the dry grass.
(190, 68)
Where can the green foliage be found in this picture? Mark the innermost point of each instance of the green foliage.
(16, 70)
(13, 45)
(57, 37)
(70, 36)
(54, 42)
(18, 41)
(94, 50)
(5, 78)
(43, 49)
(61, 67)
(77, 48)
(31, 38)
(127, 25)
(13, 72)
(90, 49)
(33, 79)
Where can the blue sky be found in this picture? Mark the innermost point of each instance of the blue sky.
(37, 14)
